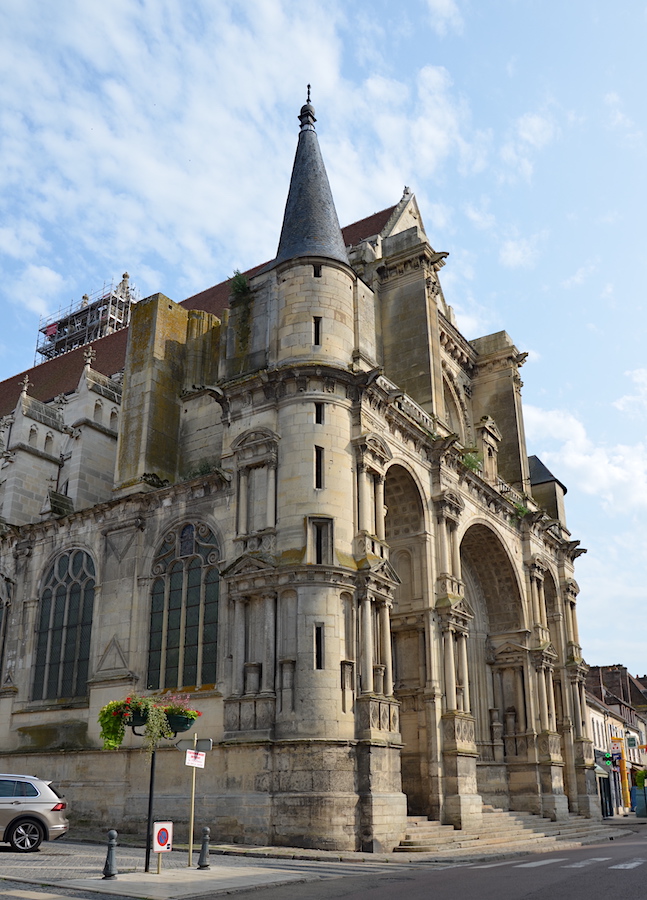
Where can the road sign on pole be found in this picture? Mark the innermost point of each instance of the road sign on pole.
(195, 758)
(200, 744)
(162, 837)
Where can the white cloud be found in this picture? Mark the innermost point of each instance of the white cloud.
(580, 276)
(520, 253)
(530, 133)
(616, 474)
(35, 287)
(445, 16)
(635, 404)
(619, 121)
(535, 130)
(480, 218)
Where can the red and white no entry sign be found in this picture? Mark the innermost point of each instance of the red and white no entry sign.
(162, 837)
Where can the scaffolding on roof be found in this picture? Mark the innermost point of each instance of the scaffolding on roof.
(97, 315)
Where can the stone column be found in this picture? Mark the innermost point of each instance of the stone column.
(239, 647)
(269, 650)
(450, 671)
(542, 602)
(520, 701)
(577, 710)
(552, 713)
(456, 555)
(442, 545)
(270, 519)
(543, 700)
(367, 646)
(535, 599)
(576, 634)
(243, 478)
(385, 649)
(379, 507)
(363, 494)
(462, 665)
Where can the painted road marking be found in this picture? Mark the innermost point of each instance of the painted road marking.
(632, 864)
(541, 862)
(508, 862)
(587, 862)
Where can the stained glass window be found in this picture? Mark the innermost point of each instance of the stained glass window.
(64, 628)
(184, 610)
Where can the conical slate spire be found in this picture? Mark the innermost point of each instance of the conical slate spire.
(310, 223)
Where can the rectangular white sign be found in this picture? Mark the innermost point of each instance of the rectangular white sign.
(162, 837)
(195, 758)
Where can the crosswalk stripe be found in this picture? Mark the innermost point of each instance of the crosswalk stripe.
(587, 862)
(541, 862)
(632, 864)
(508, 862)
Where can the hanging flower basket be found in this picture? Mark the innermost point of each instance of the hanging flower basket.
(160, 717)
(178, 723)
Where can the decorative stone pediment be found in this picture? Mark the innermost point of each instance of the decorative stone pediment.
(449, 505)
(249, 565)
(251, 576)
(381, 567)
(256, 447)
(509, 653)
(454, 611)
(372, 449)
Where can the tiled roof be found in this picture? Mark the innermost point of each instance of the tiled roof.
(61, 374)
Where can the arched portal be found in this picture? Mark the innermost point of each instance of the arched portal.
(497, 657)
(406, 536)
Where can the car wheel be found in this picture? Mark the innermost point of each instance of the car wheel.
(26, 836)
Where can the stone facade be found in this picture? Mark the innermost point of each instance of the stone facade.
(314, 513)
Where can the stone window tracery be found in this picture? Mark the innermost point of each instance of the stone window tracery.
(64, 628)
(184, 609)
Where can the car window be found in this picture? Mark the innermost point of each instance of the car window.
(7, 787)
(25, 789)
(53, 789)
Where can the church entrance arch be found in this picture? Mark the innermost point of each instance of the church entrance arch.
(406, 536)
(497, 658)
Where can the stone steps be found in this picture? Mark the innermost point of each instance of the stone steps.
(515, 830)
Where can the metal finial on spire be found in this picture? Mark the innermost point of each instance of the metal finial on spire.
(307, 115)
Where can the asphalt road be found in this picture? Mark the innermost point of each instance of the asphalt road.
(607, 871)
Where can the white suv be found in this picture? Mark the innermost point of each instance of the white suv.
(31, 811)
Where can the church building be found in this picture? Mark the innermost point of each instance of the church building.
(303, 498)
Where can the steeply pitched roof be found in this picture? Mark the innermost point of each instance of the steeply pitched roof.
(61, 374)
(310, 223)
(539, 474)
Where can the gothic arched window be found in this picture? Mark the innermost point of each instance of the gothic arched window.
(184, 610)
(64, 628)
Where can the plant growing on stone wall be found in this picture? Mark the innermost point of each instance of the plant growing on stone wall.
(242, 296)
(473, 460)
(520, 510)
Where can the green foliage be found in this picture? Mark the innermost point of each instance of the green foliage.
(473, 460)
(116, 715)
(203, 467)
(521, 510)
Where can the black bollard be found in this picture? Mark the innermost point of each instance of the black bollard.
(110, 868)
(203, 862)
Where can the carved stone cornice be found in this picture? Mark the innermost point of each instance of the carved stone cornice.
(456, 347)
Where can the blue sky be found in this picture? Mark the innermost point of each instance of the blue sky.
(157, 136)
